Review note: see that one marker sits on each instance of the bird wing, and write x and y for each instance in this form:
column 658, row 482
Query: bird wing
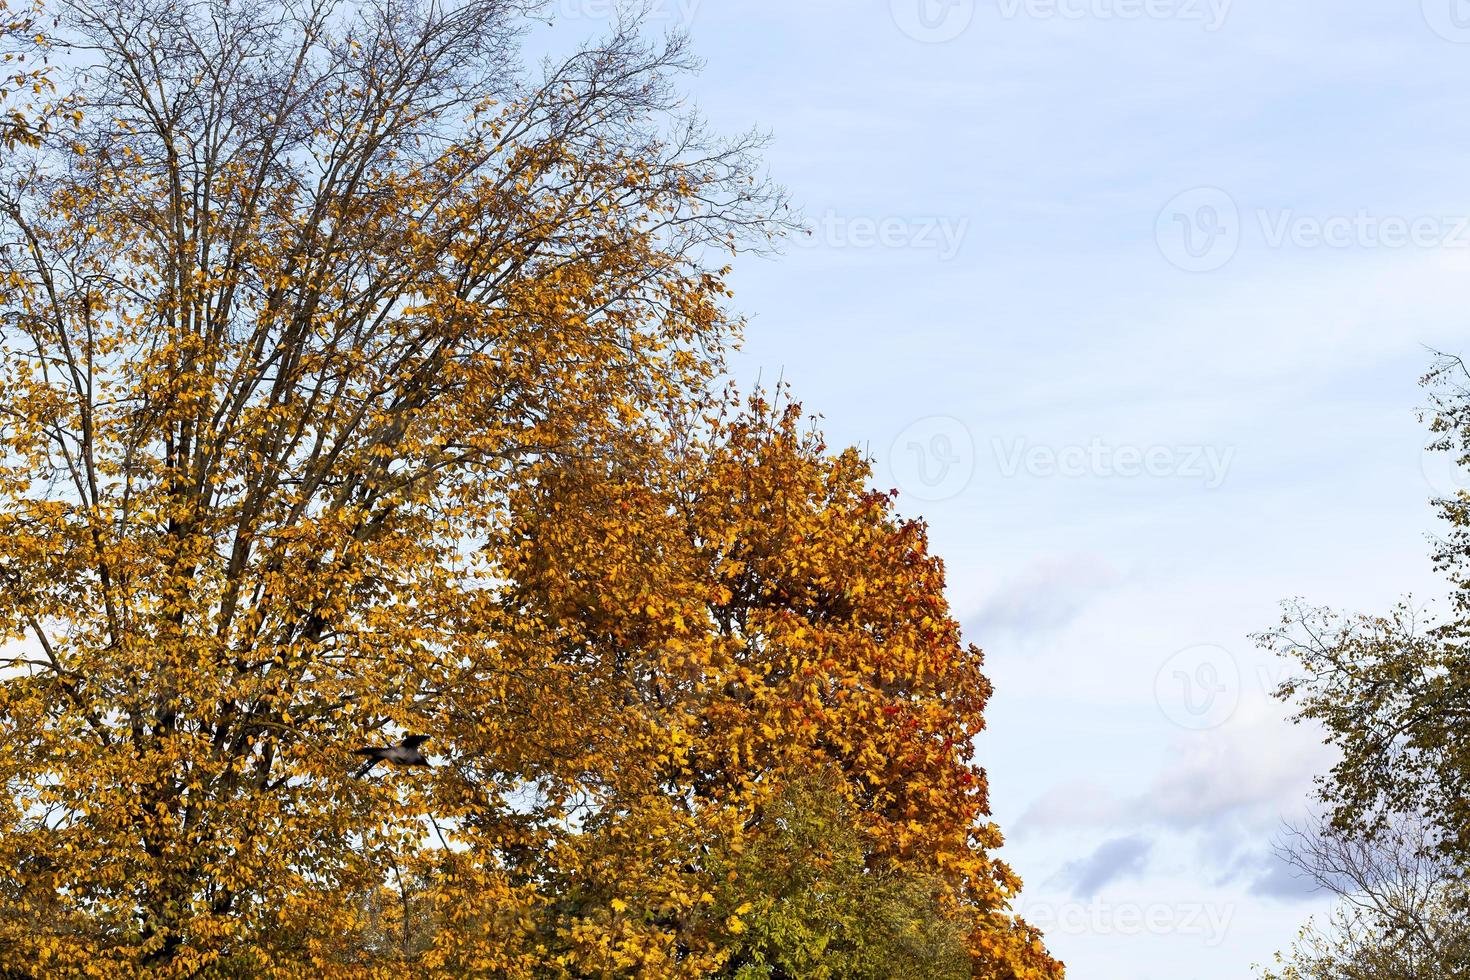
column 414, row 741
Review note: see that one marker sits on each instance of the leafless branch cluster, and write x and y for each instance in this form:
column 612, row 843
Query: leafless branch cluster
column 1405, row 907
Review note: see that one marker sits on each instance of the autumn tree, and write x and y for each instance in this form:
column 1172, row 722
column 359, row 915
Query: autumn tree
column 356, row 383
column 761, row 615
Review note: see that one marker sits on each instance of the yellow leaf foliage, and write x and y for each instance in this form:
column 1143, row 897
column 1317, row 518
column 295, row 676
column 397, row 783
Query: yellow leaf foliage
column 352, row 387
column 24, row 76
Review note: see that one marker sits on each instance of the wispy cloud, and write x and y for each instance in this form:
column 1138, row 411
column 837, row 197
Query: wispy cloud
column 1220, row 794
column 1046, row 597
column 1120, row 858
column 1271, row 877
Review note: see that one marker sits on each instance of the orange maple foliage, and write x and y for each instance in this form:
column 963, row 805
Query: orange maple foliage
column 752, row 612
column 352, row 387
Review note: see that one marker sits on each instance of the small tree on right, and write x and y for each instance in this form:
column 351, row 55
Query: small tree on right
column 1392, row 692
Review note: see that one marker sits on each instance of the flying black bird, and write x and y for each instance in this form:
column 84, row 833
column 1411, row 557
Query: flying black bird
column 405, row 753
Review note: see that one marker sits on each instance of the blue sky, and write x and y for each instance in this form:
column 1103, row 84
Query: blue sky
column 1130, row 298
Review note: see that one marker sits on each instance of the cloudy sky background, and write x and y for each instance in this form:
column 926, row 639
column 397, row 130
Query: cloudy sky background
column 1130, row 298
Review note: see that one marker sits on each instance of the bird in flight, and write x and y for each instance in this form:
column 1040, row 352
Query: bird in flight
column 405, row 753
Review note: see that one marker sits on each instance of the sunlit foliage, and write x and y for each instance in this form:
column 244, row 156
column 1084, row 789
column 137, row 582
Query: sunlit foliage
column 354, row 385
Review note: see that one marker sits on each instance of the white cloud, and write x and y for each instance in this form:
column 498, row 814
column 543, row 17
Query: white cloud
column 1244, row 774
column 1046, row 596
